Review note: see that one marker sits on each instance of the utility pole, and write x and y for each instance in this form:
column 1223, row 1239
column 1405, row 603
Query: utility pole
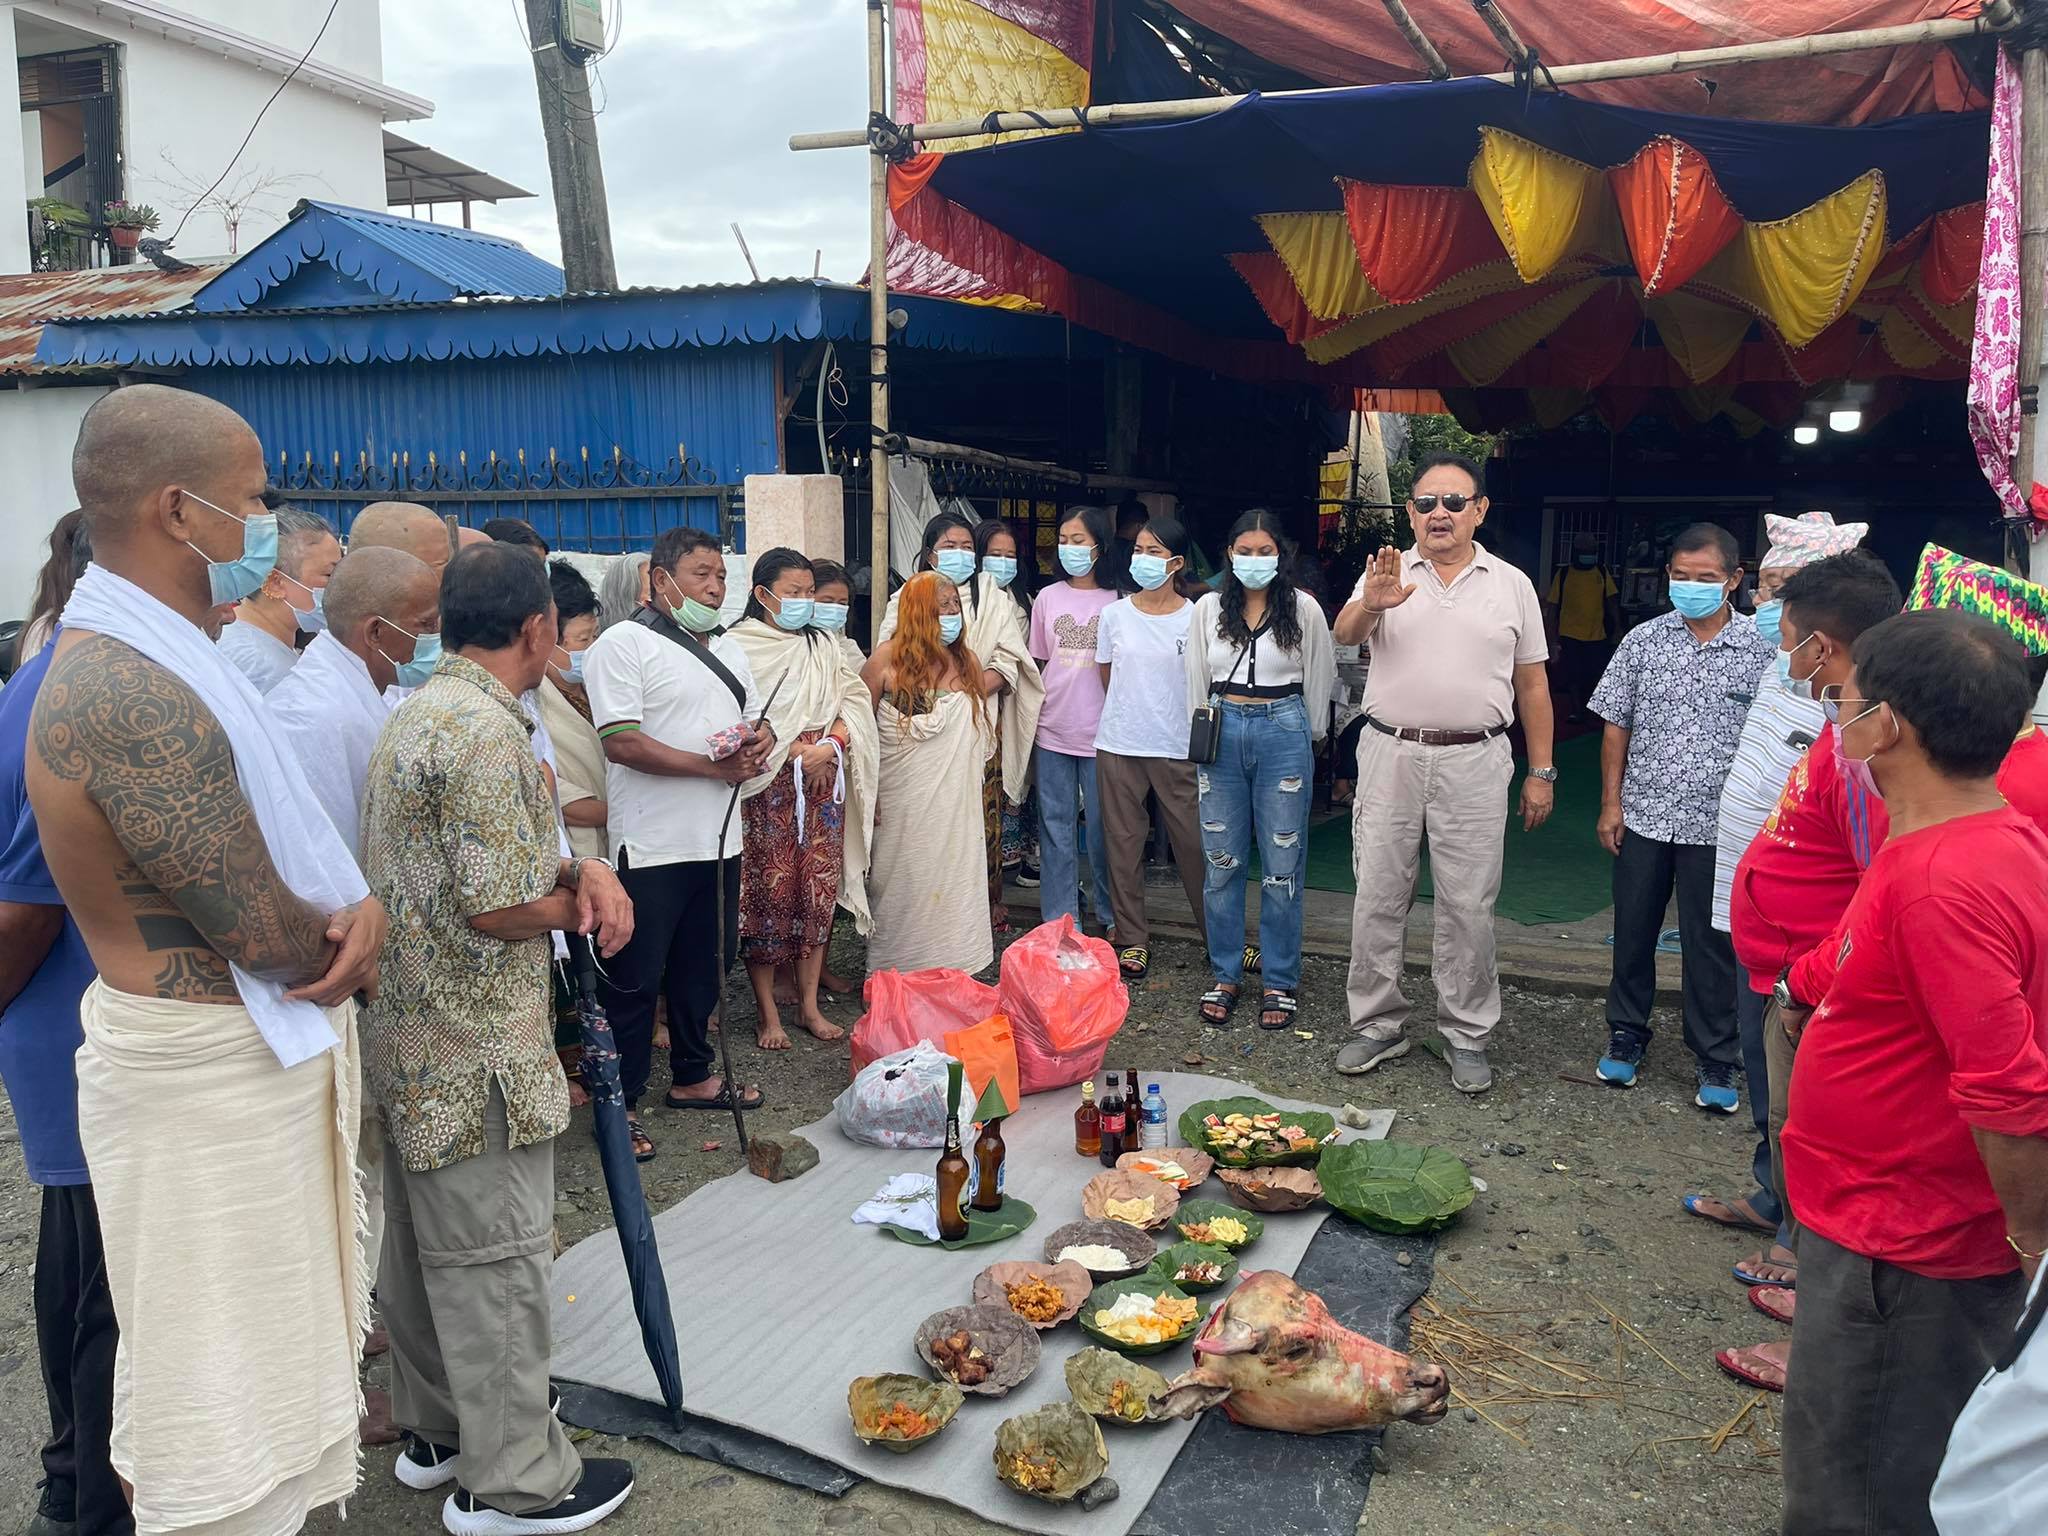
column 574, row 168
column 878, row 323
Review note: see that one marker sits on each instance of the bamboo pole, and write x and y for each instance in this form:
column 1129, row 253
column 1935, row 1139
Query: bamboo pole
column 930, row 448
column 1425, row 50
column 1997, row 17
column 1503, row 32
column 2033, row 256
column 878, row 329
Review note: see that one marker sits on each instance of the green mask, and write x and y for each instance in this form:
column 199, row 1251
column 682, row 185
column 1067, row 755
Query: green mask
column 695, row 617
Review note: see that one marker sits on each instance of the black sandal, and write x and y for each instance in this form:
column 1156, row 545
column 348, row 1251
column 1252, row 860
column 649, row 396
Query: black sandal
column 643, row 1145
column 720, row 1100
column 1251, row 958
column 1135, row 962
column 1222, row 997
column 1282, row 1003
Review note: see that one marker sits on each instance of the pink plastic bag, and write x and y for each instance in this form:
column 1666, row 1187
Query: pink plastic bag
column 1065, row 1000
column 905, row 1007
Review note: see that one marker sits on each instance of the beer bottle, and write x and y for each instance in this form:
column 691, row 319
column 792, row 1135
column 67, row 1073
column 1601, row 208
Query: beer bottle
column 1113, row 1124
column 1088, row 1123
column 988, row 1166
column 952, row 1166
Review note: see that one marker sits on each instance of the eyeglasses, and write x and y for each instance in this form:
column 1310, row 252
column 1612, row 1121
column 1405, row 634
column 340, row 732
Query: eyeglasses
column 1832, row 694
column 1455, row 502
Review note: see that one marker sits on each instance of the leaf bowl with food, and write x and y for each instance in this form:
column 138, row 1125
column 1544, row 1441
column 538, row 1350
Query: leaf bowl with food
column 1135, row 1199
column 1272, row 1189
column 1114, row 1389
column 1050, row 1453
column 1250, row 1133
column 1044, row 1295
column 1396, row 1186
column 1195, row 1267
column 1182, row 1167
column 1140, row 1316
column 1218, row 1225
column 1094, row 1245
column 982, row 1350
column 900, row 1413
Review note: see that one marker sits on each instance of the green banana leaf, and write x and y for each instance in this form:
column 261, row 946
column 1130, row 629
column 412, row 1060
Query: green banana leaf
column 1194, row 1134
column 1395, row 1186
column 982, row 1227
column 1105, row 1295
column 1170, row 1260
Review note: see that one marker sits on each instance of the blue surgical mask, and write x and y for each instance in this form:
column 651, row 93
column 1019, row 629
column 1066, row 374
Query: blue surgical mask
column 426, row 655
column 830, row 617
column 313, row 619
column 1697, row 599
column 795, row 613
column 1800, row 687
column 1077, row 559
column 1768, row 617
column 574, row 670
column 1149, row 571
column 1002, row 569
column 1255, row 571
column 956, row 565
column 229, row 581
column 949, row 627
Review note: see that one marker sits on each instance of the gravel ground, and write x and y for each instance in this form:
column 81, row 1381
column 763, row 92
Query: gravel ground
column 1580, row 1225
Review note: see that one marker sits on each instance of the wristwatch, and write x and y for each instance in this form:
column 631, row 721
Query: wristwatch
column 1544, row 775
column 1781, row 994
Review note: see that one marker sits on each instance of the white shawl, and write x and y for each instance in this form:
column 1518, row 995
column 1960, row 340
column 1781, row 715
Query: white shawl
column 819, row 687
column 303, row 844
column 997, row 636
column 331, row 714
column 930, row 875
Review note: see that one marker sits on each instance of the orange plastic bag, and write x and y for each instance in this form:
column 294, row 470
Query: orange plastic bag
column 1065, row 1000
column 986, row 1052
column 905, row 1007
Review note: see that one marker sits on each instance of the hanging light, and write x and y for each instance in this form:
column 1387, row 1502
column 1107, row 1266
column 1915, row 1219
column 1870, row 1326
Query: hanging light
column 1845, row 420
column 1806, row 434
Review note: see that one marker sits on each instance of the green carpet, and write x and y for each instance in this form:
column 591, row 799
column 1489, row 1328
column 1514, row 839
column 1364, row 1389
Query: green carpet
column 1556, row 874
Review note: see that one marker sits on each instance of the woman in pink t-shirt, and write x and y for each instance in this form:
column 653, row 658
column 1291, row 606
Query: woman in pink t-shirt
column 1064, row 619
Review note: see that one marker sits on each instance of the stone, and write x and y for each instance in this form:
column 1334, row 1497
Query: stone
column 1471, row 1415
column 776, row 1158
column 1098, row 1493
column 1512, row 1149
column 1404, row 1258
column 1354, row 1117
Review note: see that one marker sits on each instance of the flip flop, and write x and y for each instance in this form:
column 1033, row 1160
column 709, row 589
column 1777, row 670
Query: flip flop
column 1750, row 1277
column 1774, row 1301
column 721, row 1100
column 1747, row 1365
column 1692, row 1206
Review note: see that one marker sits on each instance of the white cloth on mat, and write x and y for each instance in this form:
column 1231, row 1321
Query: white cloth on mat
column 928, row 873
column 909, row 1201
column 303, row 844
column 233, row 1233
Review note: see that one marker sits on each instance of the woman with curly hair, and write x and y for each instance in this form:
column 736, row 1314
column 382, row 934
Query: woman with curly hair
column 1259, row 650
column 927, row 871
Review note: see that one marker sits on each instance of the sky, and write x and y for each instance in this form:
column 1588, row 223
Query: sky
column 698, row 100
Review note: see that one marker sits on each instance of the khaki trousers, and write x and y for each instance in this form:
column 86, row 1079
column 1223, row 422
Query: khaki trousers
column 1458, row 796
column 1779, row 1052
column 468, row 1250
column 1120, row 787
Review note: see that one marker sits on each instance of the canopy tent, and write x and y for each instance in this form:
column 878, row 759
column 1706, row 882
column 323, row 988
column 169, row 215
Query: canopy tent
column 1465, row 236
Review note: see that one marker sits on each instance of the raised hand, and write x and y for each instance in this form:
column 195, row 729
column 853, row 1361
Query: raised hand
column 1384, row 588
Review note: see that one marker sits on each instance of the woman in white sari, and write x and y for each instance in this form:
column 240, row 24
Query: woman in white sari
column 995, row 632
column 928, row 878
column 807, row 818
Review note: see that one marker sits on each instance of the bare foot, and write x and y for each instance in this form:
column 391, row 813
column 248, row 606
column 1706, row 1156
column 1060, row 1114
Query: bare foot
column 661, row 1036
column 375, row 1426
column 821, row 1027
column 999, row 917
column 1728, row 1213
column 835, row 983
column 770, row 1037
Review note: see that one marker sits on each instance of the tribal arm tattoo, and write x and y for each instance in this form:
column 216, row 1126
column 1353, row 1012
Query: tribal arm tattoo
column 157, row 763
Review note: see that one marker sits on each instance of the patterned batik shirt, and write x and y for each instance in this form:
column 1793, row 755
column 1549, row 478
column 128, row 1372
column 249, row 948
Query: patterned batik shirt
column 457, row 821
column 1683, row 705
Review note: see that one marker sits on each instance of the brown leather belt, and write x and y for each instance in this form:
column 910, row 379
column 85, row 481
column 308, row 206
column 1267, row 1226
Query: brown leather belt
column 1429, row 738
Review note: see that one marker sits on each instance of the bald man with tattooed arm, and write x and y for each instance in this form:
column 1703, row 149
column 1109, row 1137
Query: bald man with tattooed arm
column 219, row 1081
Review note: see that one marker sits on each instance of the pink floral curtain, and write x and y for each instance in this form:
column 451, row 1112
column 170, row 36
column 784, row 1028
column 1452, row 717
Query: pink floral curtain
column 1995, row 421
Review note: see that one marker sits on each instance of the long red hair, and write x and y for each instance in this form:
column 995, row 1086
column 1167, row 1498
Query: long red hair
column 920, row 656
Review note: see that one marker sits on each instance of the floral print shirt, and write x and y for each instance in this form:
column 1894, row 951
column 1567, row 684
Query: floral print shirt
column 1683, row 705
column 457, row 821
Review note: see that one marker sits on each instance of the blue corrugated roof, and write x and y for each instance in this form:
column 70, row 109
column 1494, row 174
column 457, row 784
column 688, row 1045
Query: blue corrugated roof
column 328, row 255
column 638, row 320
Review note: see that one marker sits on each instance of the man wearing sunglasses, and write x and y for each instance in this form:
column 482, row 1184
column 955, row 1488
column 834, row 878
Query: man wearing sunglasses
column 1916, row 1150
column 1458, row 648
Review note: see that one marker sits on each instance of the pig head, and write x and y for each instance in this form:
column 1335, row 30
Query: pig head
column 1276, row 1359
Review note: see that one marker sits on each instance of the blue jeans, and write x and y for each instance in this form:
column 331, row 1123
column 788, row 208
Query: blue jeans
column 1066, row 785
column 1749, row 1024
column 1259, row 784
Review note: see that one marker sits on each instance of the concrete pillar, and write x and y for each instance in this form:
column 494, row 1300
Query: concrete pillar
column 806, row 513
column 14, row 169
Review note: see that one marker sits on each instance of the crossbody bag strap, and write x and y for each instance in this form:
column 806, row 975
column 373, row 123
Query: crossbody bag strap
column 669, row 629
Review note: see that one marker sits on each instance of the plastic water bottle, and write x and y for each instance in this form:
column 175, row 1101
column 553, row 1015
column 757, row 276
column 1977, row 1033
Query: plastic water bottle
column 1152, row 1133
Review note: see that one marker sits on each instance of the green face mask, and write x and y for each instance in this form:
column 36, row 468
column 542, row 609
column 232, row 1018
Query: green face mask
column 693, row 615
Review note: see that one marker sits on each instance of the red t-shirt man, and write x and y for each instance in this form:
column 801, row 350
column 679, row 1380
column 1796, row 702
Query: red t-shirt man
column 1934, row 1021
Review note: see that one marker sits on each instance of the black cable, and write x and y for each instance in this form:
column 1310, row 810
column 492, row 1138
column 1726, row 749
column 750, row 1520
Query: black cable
column 290, row 75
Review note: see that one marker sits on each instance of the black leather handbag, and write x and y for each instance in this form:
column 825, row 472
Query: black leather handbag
column 1205, row 726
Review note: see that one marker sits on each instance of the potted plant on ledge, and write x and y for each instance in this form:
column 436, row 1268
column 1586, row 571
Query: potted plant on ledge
column 128, row 222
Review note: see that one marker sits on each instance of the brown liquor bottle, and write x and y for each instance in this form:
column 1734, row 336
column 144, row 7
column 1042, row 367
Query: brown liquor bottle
column 988, row 1166
column 952, row 1172
column 1088, row 1123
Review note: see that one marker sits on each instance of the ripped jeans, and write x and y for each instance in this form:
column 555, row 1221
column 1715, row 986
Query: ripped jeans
column 1261, row 784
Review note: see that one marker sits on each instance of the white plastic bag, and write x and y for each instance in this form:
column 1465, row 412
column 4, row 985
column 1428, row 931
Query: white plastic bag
column 898, row 1100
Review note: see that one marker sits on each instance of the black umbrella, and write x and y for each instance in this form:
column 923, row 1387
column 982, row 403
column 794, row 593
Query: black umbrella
column 622, row 1179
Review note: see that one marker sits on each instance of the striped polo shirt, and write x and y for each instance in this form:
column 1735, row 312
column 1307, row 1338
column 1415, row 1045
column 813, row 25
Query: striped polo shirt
column 1780, row 726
